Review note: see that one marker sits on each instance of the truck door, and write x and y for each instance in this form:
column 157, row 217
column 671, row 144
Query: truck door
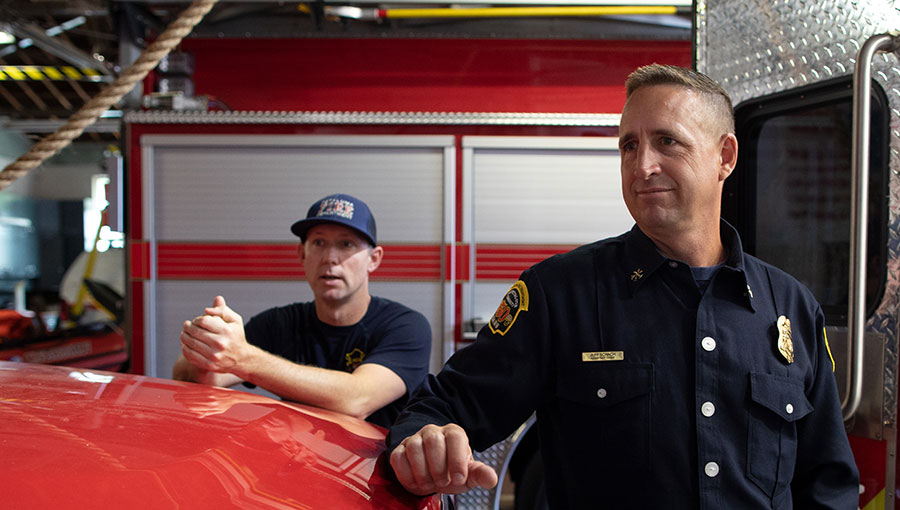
column 790, row 71
column 791, row 198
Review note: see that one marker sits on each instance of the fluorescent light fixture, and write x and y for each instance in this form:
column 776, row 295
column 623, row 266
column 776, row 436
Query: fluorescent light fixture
column 6, row 37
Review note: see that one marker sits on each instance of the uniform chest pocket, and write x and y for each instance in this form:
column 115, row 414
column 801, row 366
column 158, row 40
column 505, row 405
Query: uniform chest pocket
column 777, row 403
column 606, row 384
column 604, row 410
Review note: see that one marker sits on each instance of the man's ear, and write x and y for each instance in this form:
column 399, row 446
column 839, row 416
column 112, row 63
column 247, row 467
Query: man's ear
column 375, row 258
column 728, row 152
column 301, row 252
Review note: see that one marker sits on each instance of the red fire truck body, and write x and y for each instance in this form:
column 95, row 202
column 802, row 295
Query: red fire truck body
column 481, row 157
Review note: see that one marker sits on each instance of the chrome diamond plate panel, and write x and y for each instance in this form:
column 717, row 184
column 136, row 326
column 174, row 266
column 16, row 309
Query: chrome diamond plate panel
column 498, row 457
column 481, row 499
column 756, row 48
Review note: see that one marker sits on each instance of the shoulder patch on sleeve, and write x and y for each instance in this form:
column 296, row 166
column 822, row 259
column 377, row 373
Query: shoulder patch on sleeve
column 828, row 348
column 515, row 301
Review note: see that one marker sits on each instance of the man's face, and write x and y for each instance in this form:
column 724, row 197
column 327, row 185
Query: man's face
column 337, row 261
column 675, row 158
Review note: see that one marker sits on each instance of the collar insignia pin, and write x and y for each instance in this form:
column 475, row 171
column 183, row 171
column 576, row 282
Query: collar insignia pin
column 637, row 274
column 785, row 345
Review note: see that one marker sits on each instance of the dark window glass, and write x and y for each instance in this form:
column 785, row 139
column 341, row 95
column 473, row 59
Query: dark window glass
column 790, row 195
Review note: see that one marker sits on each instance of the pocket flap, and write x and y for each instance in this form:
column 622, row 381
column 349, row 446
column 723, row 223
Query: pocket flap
column 781, row 395
column 607, row 383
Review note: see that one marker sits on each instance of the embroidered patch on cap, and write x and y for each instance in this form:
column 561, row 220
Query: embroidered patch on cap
column 336, row 207
column 515, row 301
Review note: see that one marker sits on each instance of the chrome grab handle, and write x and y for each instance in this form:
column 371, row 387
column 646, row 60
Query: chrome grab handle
column 859, row 189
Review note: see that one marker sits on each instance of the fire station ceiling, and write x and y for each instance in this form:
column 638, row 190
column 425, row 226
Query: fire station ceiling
column 57, row 54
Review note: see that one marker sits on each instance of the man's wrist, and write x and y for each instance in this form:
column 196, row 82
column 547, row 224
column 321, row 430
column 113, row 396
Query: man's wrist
column 203, row 376
column 248, row 363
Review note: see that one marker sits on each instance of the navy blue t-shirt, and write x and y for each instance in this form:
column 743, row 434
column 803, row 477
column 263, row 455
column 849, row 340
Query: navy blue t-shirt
column 390, row 334
column 704, row 275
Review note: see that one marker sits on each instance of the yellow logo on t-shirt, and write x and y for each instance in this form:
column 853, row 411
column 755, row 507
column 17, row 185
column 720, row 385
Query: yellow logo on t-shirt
column 354, row 359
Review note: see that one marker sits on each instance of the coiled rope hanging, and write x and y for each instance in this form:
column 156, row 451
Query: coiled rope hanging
column 93, row 109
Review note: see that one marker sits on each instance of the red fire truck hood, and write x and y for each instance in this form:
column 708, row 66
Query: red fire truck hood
column 86, row 440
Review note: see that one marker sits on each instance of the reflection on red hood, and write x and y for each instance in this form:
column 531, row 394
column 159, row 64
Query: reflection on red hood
column 85, row 440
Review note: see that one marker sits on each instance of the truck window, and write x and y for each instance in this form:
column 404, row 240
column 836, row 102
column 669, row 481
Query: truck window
column 790, row 195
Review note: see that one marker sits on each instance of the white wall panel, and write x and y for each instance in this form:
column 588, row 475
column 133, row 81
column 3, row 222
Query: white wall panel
column 536, row 196
column 537, row 190
column 254, row 193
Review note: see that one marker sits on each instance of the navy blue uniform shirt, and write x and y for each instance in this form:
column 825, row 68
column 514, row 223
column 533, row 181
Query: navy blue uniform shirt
column 650, row 394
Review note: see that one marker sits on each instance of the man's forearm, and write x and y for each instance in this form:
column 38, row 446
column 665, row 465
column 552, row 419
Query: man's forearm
column 358, row 394
column 183, row 370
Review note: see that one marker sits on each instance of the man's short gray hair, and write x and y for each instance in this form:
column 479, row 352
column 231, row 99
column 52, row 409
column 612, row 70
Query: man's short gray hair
column 660, row 74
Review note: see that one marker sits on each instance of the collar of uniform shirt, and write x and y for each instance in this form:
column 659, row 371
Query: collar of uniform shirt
column 642, row 259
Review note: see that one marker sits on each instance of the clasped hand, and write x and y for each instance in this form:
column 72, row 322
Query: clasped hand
column 215, row 342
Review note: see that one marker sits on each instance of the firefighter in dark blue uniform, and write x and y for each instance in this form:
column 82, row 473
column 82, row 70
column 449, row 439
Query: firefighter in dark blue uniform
column 668, row 368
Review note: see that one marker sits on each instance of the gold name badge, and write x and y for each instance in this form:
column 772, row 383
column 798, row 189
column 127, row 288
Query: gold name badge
column 603, row 356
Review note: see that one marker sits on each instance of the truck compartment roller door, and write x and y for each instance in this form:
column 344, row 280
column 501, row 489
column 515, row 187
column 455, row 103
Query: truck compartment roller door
column 217, row 212
column 531, row 197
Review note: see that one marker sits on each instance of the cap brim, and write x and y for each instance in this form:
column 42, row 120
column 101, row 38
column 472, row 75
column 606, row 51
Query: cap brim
column 301, row 227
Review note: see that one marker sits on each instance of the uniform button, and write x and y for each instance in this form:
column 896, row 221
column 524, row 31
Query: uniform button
column 673, row 264
column 708, row 343
column 711, row 469
column 789, row 408
column 601, row 393
column 708, row 409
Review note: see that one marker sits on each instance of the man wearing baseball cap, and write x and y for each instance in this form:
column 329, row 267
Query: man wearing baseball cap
column 346, row 351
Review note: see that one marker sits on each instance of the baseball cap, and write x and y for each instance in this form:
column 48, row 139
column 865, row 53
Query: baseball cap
column 341, row 209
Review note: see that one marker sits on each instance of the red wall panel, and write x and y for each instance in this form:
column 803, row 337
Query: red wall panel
column 440, row 75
